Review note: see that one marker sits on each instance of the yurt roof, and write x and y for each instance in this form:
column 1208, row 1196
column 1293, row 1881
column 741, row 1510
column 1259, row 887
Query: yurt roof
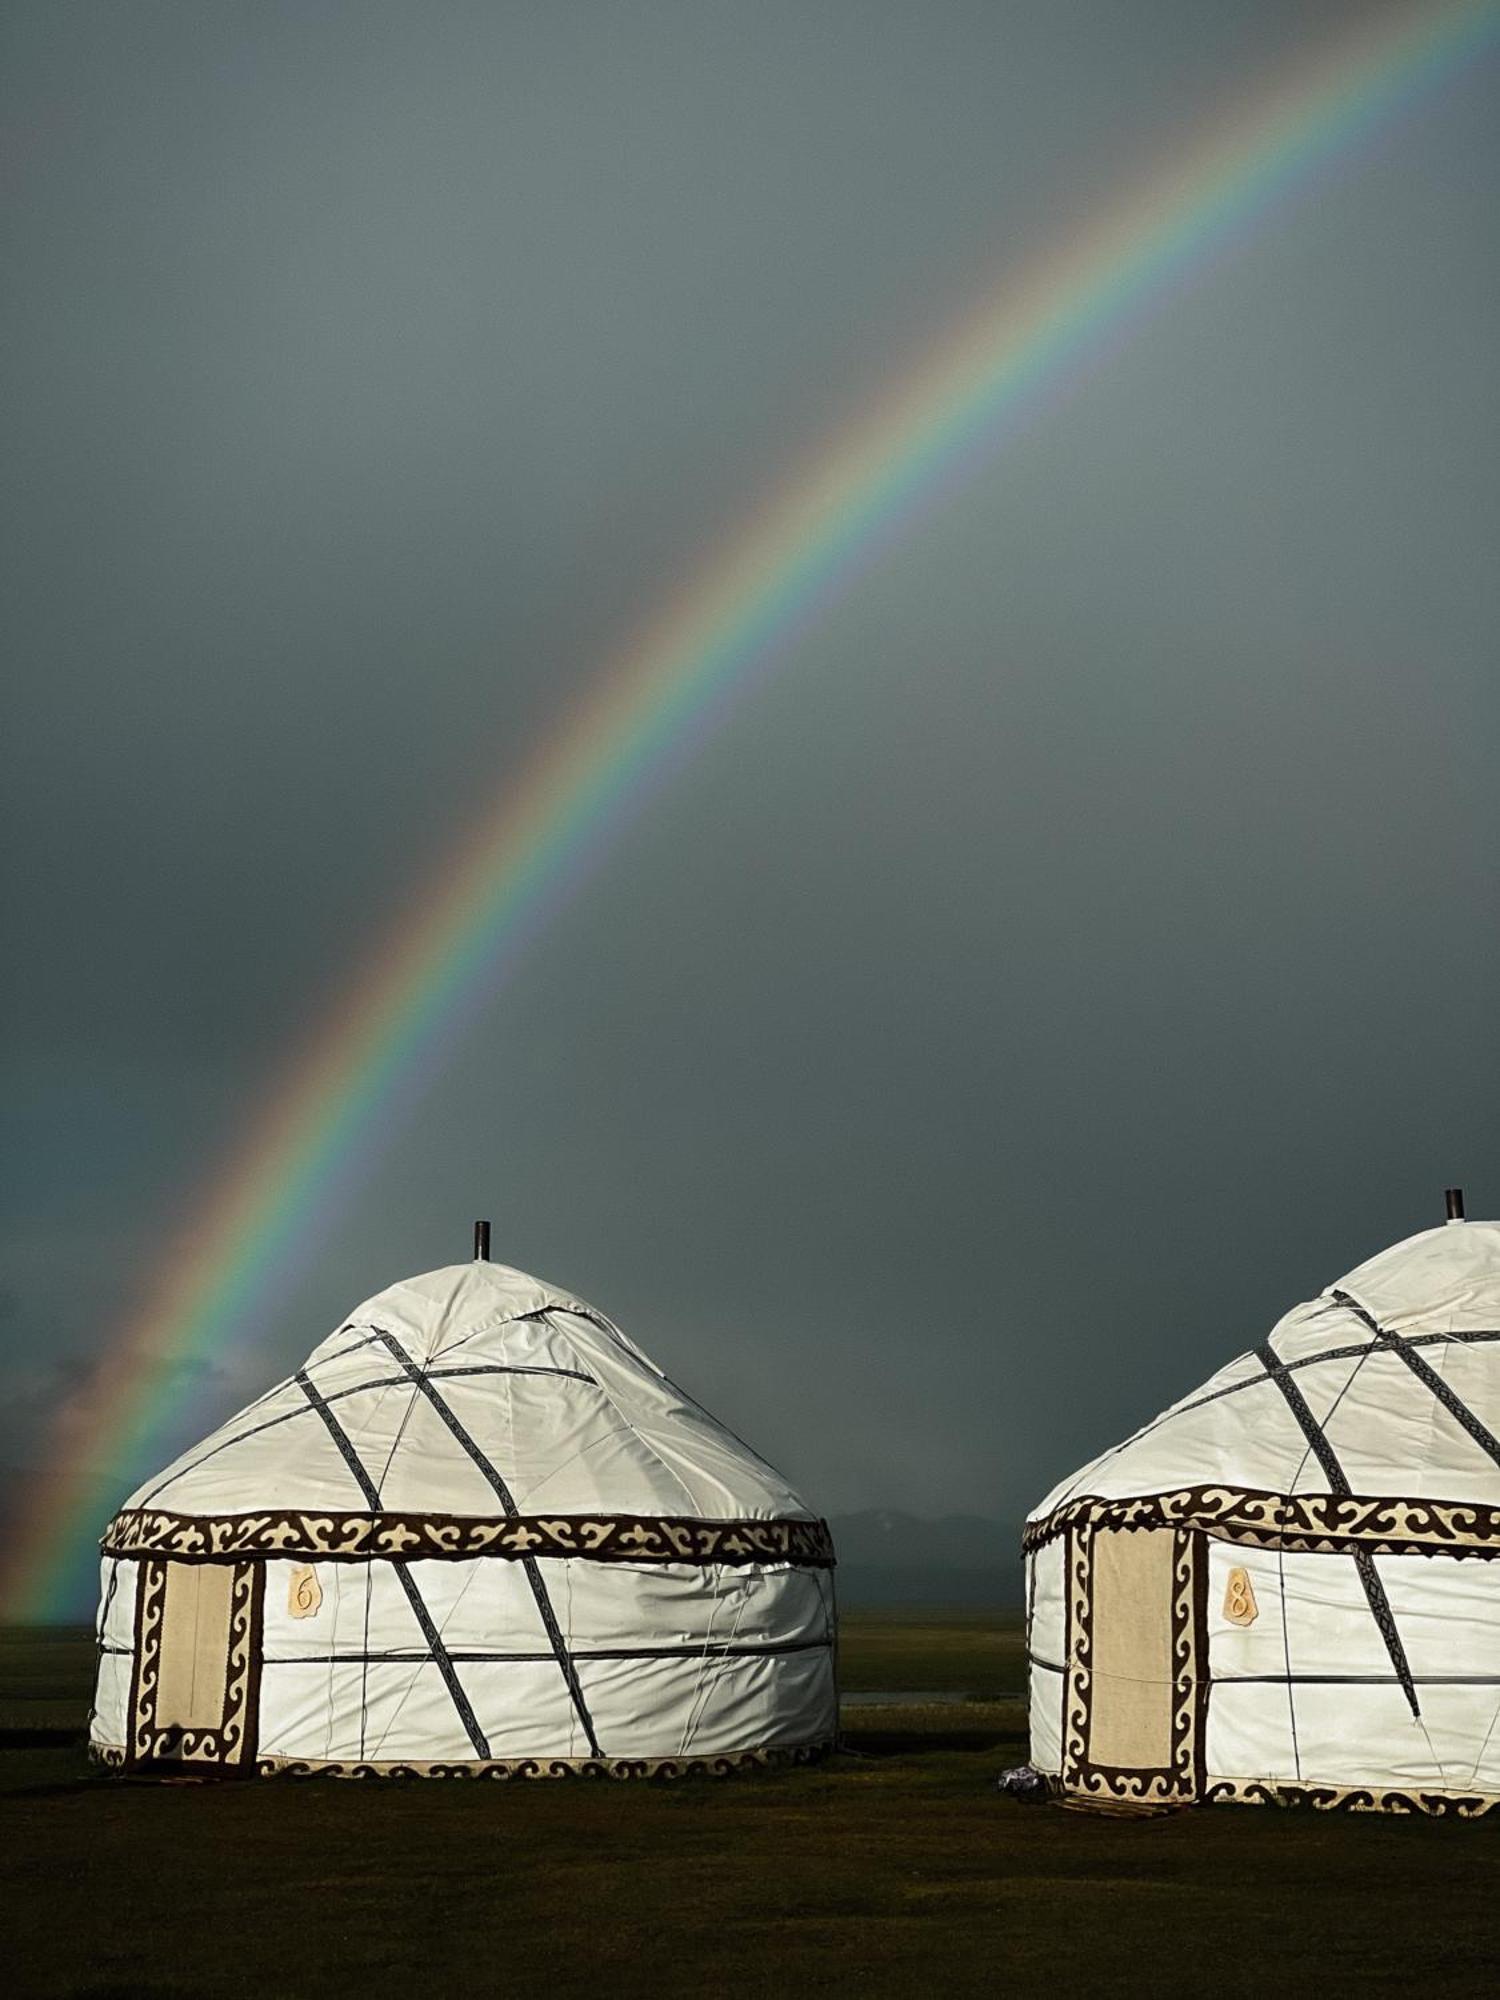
column 478, row 1391
column 1387, row 1383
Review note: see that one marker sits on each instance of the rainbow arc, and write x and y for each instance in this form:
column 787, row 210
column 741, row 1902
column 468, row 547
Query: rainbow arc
column 560, row 818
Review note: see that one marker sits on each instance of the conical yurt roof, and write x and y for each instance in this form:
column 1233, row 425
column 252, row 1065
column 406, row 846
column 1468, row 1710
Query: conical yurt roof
column 1386, row 1383
column 463, row 1388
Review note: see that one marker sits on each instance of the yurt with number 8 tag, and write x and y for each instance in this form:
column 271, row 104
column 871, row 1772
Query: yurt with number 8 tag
column 477, row 1533
column 1286, row 1588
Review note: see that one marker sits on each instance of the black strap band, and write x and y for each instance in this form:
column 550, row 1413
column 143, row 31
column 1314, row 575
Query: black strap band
column 507, row 1501
column 414, row 1598
column 1364, row 1562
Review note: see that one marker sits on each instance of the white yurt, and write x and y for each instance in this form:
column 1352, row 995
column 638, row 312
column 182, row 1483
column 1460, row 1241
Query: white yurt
column 476, row 1533
column 1284, row 1588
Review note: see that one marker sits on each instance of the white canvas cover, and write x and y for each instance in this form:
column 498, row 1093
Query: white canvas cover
column 1286, row 1585
column 478, row 1530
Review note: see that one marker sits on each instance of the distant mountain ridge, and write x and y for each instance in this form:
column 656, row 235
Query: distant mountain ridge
column 889, row 1557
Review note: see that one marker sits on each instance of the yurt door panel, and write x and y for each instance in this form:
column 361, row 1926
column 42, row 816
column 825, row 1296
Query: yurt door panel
column 197, row 1664
column 194, row 1647
column 1133, row 1710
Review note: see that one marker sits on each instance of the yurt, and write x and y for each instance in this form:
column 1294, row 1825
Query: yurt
column 477, row 1533
column 1284, row 1588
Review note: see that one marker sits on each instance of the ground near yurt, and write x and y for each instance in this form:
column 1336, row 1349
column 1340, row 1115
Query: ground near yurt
column 897, row 1869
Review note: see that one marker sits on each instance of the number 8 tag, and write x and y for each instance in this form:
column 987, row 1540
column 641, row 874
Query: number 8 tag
column 1240, row 1607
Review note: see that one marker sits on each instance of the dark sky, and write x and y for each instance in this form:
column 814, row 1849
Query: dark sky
column 1083, row 948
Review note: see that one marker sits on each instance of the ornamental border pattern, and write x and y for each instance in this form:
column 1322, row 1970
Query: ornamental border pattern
column 1350, row 1798
column 345, row 1537
column 1309, row 1523
column 1078, row 1648
column 1179, row 1781
column 231, row 1742
column 729, row 1764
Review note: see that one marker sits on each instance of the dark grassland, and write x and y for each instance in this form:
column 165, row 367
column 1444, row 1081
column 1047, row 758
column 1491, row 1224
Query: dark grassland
column 895, row 1869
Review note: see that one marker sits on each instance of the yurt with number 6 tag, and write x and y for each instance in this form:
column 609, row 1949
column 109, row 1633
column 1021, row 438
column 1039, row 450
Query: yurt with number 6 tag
column 1286, row 1588
column 477, row 1533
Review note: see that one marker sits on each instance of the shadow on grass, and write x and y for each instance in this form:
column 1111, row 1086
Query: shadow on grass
column 982, row 1728
column 113, row 1989
column 897, row 1743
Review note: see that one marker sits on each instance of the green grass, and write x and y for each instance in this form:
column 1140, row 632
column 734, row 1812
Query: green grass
column 896, row 1869
column 939, row 1652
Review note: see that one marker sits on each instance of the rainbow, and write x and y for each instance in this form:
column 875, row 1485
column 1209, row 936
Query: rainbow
column 648, row 710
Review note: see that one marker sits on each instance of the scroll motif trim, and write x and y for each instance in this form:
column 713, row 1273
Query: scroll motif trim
column 1312, row 1523
column 341, row 1537
column 1351, row 1798
column 727, row 1764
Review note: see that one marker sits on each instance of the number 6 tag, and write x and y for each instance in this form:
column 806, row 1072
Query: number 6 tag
column 304, row 1592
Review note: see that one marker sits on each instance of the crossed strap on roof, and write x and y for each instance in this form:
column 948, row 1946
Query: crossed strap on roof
column 1281, row 1372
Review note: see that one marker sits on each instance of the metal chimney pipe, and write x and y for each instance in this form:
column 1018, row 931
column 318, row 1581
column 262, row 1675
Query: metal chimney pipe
column 1454, row 1197
column 481, row 1242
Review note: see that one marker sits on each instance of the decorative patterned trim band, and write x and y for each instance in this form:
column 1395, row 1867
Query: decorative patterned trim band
column 502, row 1770
column 617, row 1538
column 1312, row 1523
column 1351, row 1798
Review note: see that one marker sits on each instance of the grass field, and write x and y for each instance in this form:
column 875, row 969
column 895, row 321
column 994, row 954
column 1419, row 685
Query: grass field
column 895, row 1869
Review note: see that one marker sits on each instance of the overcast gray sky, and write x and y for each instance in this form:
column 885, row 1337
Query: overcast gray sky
column 1081, row 949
